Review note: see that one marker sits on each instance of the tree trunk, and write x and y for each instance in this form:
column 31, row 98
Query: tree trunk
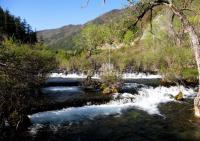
column 195, row 44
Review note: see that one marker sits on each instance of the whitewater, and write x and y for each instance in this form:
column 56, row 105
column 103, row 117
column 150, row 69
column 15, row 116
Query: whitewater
column 96, row 76
column 147, row 99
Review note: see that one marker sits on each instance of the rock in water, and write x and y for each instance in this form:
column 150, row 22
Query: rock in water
column 109, row 90
column 106, row 90
column 179, row 96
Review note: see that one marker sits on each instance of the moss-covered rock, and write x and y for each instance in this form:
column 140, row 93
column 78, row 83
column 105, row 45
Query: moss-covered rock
column 114, row 90
column 179, row 96
column 111, row 82
column 109, row 90
column 106, row 90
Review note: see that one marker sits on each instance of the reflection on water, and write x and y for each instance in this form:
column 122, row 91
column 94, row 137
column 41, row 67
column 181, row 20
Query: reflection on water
column 62, row 93
column 60, row 89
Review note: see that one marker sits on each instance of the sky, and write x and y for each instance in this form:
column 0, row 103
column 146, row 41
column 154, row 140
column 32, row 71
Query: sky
column 48, row 14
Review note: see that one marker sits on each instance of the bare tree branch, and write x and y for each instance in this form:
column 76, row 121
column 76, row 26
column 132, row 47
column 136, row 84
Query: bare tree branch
column 147, row 9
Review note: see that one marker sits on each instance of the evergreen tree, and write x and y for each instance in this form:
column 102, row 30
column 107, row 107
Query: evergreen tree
column 14, row 27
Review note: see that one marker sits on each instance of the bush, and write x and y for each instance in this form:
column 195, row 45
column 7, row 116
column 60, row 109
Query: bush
column 111, row 82
column 25, row 68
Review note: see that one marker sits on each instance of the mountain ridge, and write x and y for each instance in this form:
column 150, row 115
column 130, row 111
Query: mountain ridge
column 61, row 38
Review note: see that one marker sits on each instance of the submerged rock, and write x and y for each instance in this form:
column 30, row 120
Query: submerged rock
column 179, row 96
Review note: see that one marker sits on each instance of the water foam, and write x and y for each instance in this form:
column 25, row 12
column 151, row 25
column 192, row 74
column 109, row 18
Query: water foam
column 96, row 76
column 147, row 99
column 141, row 76
column 62, row 75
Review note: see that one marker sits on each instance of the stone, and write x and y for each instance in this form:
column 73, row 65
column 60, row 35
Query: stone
column 110, row 90
column 179, row 96
column 107, row 90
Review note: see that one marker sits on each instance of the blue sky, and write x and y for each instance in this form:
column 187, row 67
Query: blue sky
column 47, row 14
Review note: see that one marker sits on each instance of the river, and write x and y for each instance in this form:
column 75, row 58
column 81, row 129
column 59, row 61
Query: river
column 148, row 114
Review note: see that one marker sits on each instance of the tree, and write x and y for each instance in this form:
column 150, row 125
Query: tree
column 195, row 42
column 90, row 38
column 11, row 26
column 148, row 6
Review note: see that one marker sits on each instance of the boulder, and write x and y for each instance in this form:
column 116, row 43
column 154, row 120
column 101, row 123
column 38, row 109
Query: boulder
column 179, row 96
column 109, row 90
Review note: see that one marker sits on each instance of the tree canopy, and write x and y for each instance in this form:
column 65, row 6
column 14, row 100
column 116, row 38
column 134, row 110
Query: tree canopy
column 15, row 27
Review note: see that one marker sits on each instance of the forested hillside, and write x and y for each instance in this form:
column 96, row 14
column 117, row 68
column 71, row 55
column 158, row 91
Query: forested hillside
column 62, row 38
column 15, row 27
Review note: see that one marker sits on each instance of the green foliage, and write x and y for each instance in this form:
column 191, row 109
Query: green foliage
column 25, row 69
column 110, row 77
column 91, row 36
column 128, row 37
column 11, row 26
column 190, row 73
column 111, row 82
column 194, row 19
column 62, row 58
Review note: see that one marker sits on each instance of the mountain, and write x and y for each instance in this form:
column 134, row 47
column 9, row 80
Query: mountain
column 62, row 37
column 107, row 17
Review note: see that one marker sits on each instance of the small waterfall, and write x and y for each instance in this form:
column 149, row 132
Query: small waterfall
column 96, row 76
column 147, row 99
column 62, row 75
column 140, row 76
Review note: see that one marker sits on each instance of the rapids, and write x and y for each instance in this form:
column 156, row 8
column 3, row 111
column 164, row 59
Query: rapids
column 147, row 99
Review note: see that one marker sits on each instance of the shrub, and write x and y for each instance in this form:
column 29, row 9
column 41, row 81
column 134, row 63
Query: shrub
column 24, row 71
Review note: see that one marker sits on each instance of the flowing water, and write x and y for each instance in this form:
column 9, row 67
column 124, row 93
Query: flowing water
column 142, row 113
column 96, row 76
